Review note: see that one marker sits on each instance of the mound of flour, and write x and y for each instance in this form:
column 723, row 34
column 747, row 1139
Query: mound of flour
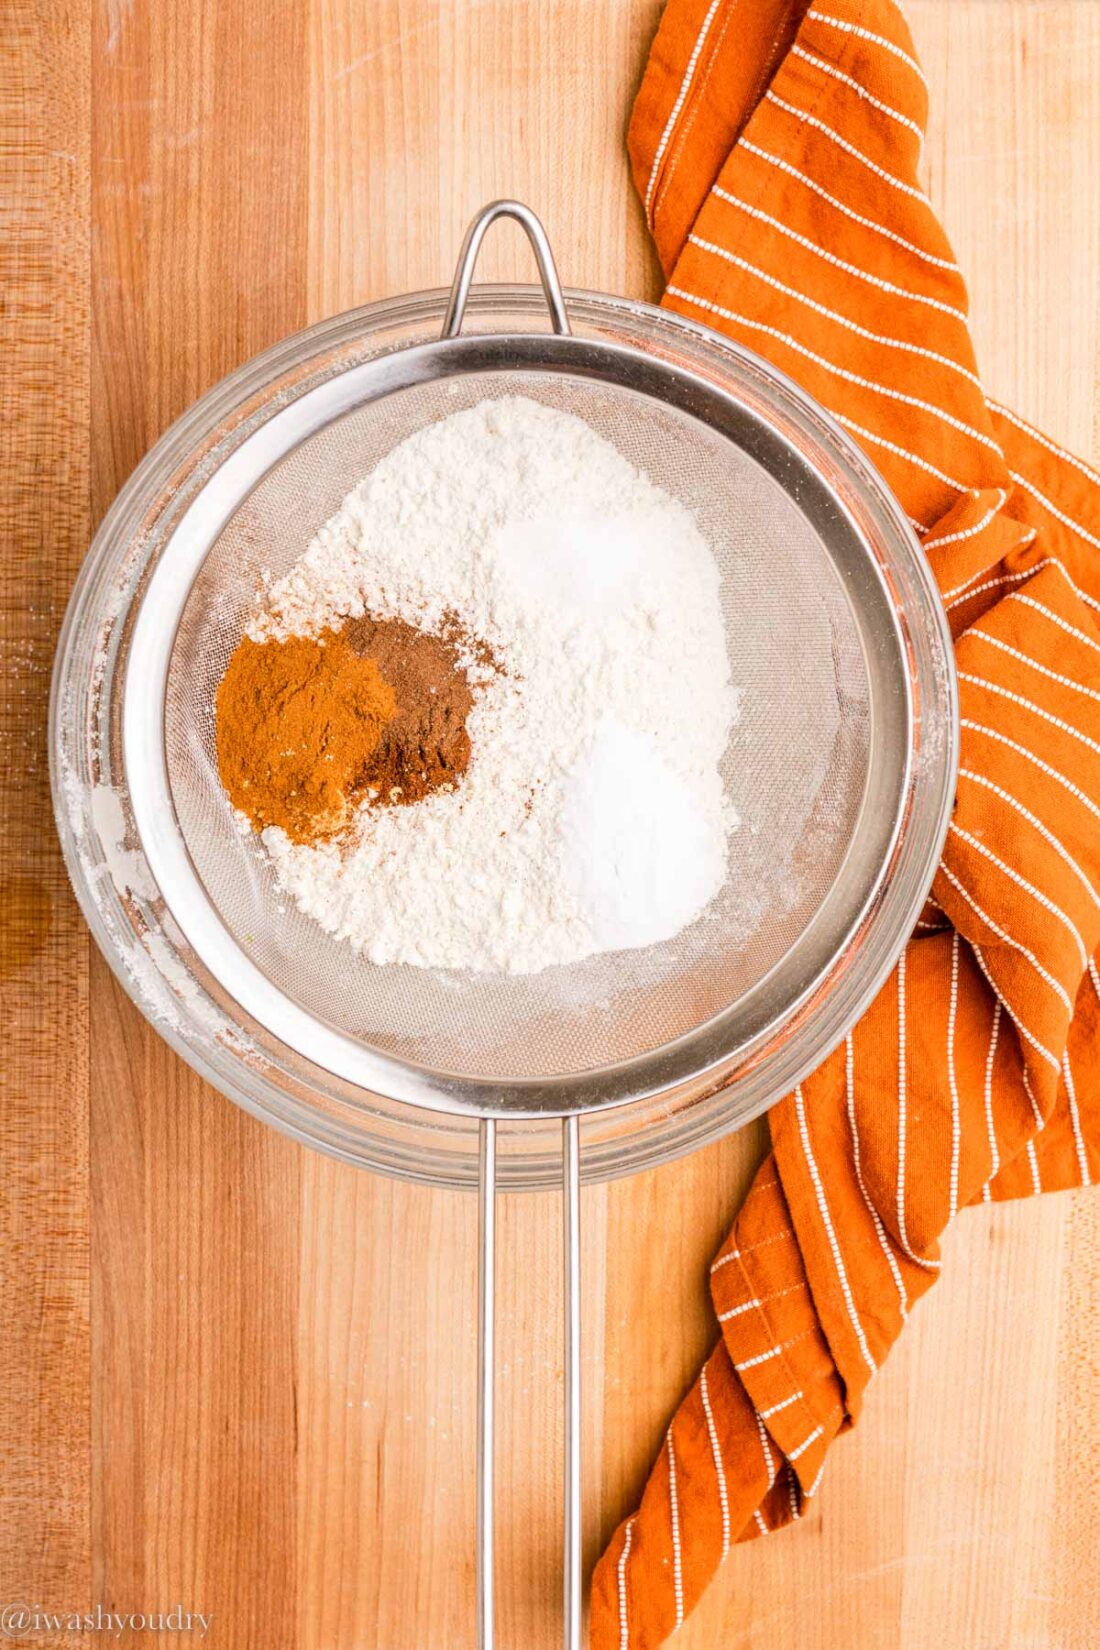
column 591, row 816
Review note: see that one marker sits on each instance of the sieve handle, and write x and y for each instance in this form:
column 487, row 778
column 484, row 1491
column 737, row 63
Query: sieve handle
column 467, row 258
column 571, row 1254
column 486, row 1362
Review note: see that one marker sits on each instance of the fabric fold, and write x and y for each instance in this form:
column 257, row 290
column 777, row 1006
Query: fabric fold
column 776, row 150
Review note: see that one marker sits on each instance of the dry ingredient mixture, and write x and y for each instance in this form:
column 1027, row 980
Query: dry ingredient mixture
column 547, row 624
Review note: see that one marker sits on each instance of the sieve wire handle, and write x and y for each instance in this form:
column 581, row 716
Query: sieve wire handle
column 467, row 258
column 486, row 1363
column 571, row 1255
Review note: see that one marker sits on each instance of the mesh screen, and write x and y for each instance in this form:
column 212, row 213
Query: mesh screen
column 794, row 769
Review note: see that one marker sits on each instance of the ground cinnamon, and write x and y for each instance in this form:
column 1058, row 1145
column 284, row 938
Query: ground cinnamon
column 297, row 722
column 310, row 727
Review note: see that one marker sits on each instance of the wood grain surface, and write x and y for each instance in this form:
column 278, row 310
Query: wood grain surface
column 236, row 1376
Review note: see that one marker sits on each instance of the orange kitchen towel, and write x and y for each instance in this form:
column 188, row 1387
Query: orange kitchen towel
column 777, row 152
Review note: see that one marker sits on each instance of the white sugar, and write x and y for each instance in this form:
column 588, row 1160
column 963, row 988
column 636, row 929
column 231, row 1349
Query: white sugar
column 642, row 851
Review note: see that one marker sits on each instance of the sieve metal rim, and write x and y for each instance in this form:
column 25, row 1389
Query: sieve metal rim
column 660, row 323
column 709, row 1049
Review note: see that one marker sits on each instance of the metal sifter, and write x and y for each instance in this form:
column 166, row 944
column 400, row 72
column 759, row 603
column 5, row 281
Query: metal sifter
column 841, row 768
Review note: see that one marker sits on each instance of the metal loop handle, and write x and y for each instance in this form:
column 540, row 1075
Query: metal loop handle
column 467, row 258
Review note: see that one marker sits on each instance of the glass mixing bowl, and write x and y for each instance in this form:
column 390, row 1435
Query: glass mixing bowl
column 145, row 944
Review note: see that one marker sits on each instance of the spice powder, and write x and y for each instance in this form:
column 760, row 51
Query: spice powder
column 308, row 728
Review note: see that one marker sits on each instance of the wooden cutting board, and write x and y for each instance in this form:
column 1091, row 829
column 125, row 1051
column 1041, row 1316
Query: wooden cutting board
column 234, row 1376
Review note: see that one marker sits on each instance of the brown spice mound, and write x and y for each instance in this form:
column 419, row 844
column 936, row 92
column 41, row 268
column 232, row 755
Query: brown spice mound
column 425, row 745
column 297, row 722
column 308, row 728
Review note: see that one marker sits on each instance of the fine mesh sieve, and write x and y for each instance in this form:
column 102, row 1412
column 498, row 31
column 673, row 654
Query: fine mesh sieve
column 817, row 768
column 847, row 721
column 796, row 769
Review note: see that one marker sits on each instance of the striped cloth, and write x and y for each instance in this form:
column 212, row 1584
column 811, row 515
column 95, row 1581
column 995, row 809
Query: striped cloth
column 791, row 219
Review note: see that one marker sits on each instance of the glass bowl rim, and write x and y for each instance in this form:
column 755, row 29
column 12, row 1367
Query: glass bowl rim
column 673, row 1122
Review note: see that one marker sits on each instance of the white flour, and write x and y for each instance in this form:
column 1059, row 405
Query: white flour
column 591, row 816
